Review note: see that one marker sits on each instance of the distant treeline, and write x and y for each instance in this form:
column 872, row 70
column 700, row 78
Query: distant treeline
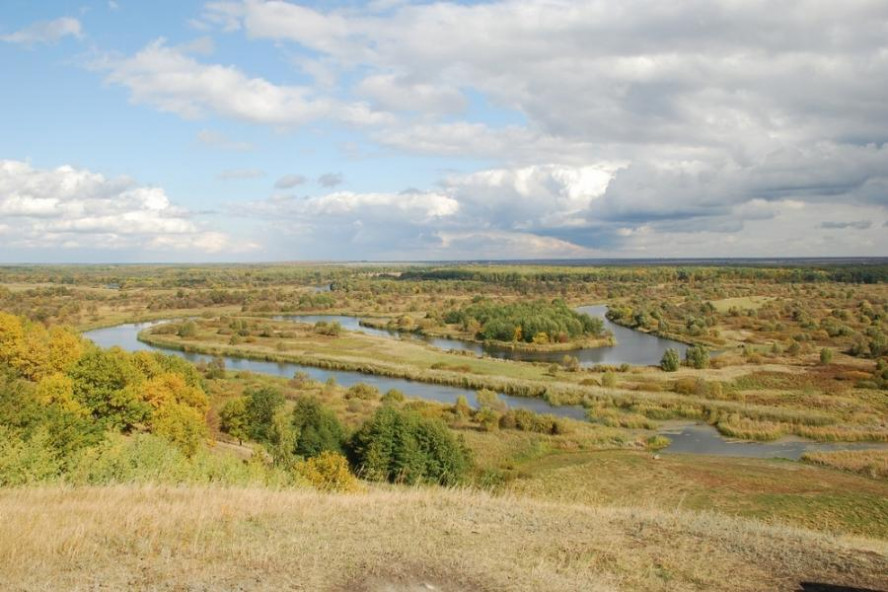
column 514, row 275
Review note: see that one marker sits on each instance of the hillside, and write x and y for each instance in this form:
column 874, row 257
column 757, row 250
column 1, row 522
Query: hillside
column 399, row 539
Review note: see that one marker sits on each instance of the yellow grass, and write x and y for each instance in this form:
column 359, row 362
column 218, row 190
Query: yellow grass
column 872, row 463
column 162, row 538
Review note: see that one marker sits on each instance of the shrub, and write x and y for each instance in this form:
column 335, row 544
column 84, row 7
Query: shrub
column 488, row 418
column 826, row 356
column 329, row 472
column 393, row 396
column 697, row 356
column 609, row 380
column 216, row 368
column 488, row 398
column 670, row 361
column 461, row 408
column 187, row 330
column 362, row 391
column 657, row 442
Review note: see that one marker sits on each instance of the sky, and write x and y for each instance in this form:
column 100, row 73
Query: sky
column 393, row 130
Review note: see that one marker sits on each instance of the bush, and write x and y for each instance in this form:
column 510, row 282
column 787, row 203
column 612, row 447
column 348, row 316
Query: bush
column 362, row 391
column 670, row 361
column 488, row 398
column 609, row 380
column 329, row 472
column 461, row 408
column 187, row 330
column 401, row 446
column 826, row 356
column 488, row 418
column 393, row 396
column 216, row 368
column 697, row 356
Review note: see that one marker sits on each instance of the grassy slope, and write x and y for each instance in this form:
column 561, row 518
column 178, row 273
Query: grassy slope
column 399, row 539
column 774, row 491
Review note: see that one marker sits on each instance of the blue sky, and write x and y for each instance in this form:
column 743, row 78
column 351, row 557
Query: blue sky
column 252, row 130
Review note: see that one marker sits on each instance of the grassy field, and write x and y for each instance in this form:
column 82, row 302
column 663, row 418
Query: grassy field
column 392, row 539
column 871, row 463
column 774, row 491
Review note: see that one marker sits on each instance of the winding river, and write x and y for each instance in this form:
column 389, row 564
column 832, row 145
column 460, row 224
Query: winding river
column 632, row 347
column 126, row 337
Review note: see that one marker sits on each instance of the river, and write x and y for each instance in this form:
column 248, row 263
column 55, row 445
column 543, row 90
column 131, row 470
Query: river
column 685, row 438
column 632, row 347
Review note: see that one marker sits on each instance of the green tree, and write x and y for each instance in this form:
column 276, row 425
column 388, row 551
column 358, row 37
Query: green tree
column 234, row 419
column 106, row 383
column 317, row 428
column 261, row 406
column 670, row 361
column 401, row 446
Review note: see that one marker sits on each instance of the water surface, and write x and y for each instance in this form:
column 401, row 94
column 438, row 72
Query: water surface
column 632, row 347
column 705, row 439
column 126, row 337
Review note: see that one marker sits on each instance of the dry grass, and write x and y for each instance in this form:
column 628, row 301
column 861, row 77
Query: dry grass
column 872, row 463
column 394, row 539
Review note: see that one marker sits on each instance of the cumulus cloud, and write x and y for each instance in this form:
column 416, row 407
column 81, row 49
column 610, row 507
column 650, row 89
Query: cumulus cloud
column 170, row 80
column 73, row 208
column 400, row 93
column 289, row 181
column 640, row 127
column 694, row 119
column 46, row 32
column 554, row 211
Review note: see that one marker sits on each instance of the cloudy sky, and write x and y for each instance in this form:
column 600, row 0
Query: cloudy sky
column 396, row 130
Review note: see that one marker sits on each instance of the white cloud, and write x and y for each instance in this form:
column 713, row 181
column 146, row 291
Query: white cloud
column 399, row 93
column 172, row 81
column 72, row 208
column 46, row 32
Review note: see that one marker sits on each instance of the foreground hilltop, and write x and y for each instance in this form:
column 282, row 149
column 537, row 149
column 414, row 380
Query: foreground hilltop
column 392, row 538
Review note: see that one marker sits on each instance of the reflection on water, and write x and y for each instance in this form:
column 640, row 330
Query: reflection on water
column 705, row 439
